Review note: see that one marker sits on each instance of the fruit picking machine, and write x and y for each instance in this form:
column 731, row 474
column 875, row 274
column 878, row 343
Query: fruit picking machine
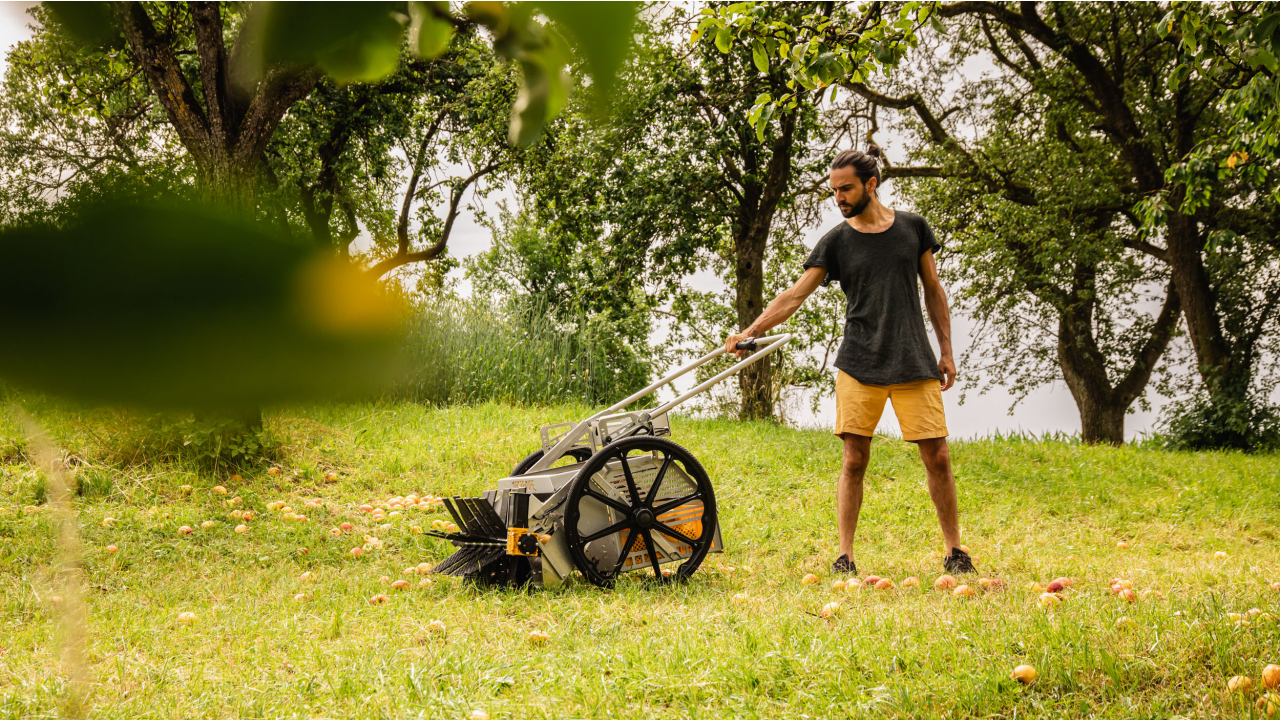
column 629, row 498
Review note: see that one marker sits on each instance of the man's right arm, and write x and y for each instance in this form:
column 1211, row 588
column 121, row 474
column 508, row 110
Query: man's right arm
column 782, row 307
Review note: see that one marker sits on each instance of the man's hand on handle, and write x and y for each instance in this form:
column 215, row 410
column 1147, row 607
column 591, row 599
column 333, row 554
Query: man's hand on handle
column 947, row 366
column 731, row 344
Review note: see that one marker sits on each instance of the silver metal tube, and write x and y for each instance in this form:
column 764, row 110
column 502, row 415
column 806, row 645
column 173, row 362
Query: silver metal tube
column 581, row 428
column 774, row 343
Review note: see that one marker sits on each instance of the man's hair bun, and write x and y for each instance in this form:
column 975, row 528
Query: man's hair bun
column 874, row 151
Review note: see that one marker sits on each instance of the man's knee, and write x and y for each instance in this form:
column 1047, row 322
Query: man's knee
column 935, row 454
column 855, row 460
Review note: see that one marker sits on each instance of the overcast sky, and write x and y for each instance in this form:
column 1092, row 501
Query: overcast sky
column 1050, row 409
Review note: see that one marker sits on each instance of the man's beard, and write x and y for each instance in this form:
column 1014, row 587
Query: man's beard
column 856, row 208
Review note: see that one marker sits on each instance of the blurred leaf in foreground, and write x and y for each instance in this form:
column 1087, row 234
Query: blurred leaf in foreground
column 601, row 33
column 176, row 306
column 351, row 41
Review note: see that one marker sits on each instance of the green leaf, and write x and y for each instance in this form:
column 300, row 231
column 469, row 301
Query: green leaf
column 600, row 33
column 722, row 39
column 430, row 30
column 92, row 24
column 760, row 56
column 351, row 41
column 176, row 306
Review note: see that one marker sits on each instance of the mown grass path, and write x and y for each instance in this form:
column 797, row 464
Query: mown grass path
column 1029, row 510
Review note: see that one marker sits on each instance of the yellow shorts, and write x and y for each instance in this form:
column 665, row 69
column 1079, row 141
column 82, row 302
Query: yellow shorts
column 918, row 406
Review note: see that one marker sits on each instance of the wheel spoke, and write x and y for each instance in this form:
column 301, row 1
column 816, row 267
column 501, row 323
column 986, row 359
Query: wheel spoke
column 607, row 501
column 677, row 536
column 657, row 481
column 631, row 481
column 676, row 503
column 626, row 549
column 653, row 555
column 606, row 532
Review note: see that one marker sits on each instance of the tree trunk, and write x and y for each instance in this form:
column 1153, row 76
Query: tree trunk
column 756, row 381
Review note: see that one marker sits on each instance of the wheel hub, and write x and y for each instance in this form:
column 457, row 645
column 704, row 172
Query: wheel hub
column 644, row 518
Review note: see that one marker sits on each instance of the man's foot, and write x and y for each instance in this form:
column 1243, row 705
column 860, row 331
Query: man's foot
column 958, row 562
column 844, row 566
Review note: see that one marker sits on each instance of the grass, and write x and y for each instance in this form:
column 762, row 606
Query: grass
column 1031, row 510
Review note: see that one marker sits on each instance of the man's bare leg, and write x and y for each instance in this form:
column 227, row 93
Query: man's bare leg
column 942, row 489
column 857, row 451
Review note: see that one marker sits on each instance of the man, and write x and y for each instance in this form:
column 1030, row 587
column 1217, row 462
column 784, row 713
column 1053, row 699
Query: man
column 876, row 254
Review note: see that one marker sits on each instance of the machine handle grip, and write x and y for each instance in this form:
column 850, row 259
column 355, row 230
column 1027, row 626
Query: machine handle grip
column 748, row 344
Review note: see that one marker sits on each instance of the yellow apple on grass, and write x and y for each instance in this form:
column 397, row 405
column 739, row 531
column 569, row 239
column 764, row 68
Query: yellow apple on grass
column 1024, row 674
column 1240, row 683
column 1271, row 676
column 809, row 579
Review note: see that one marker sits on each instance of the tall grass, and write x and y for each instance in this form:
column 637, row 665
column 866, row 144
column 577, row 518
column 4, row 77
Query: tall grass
column 477, row 350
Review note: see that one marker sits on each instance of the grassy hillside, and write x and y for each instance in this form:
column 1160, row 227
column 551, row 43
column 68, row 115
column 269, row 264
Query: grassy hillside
column 1029, row 510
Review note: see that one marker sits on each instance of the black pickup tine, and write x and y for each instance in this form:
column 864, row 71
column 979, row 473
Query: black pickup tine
column 469, row 522
column 484, row 514
column 448, row 505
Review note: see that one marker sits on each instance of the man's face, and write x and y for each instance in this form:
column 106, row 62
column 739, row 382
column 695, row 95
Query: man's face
column 852, row 195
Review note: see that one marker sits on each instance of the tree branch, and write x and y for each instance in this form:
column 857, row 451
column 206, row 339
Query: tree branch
column 404, row 258
column 163, row 74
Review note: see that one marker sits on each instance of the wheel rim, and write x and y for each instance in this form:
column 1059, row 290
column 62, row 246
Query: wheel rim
column 672, row 495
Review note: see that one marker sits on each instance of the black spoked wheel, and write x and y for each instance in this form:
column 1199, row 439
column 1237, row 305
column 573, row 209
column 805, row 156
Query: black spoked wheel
column 577, row 454
column 636, row 491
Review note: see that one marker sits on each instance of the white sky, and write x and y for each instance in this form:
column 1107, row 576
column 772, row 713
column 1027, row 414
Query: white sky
column 1050, row 409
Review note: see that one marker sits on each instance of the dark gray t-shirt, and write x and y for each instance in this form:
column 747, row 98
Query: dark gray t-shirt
column 884, row 337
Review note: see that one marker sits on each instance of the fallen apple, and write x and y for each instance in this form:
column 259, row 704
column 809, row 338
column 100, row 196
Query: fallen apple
column 274, row 471
column 1055, row 586
column 1275, row 587
column 885, row 584
column 400, row 585
column 219, row 489
column 830, row 609
column 838, row 585
column 108, row 522
column 1239, row 683
column 186, row 488
column 112, row 549
column 425, row 582
column 335, row 532
column 912, row 581
column 305, row 576
column 1221, row 554
column 809, row 579
column 964, row 549
column 852, row 584
column 538, row 637
column 1122, row 545
column 1127, row 595
column 945, row 582
column 1048, row 600
column 435, row 627
column 1268, row 704
column 1024, row 674
column 870, row 581
column 417, row 530
column 236, row 478
column 242, row 528
column 378, row 599
column 357, row 551
column 300, row 597
column 367, row 508
column 186, row 530
column 247, row 515
column 424, row 568
column 1036, row 587
column 207, row 524
column 346, row 527
column 331, row 477
column 384, row 579
column 186, row 617
column 990, row 583
column 1271, row 676
column 478, row 715
column 1125, row 623
column 963, row 591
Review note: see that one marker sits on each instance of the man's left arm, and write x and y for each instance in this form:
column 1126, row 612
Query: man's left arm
column 935, row 300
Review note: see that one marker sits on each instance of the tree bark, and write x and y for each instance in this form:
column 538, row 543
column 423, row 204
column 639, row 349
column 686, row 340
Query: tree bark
column 757, row 206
